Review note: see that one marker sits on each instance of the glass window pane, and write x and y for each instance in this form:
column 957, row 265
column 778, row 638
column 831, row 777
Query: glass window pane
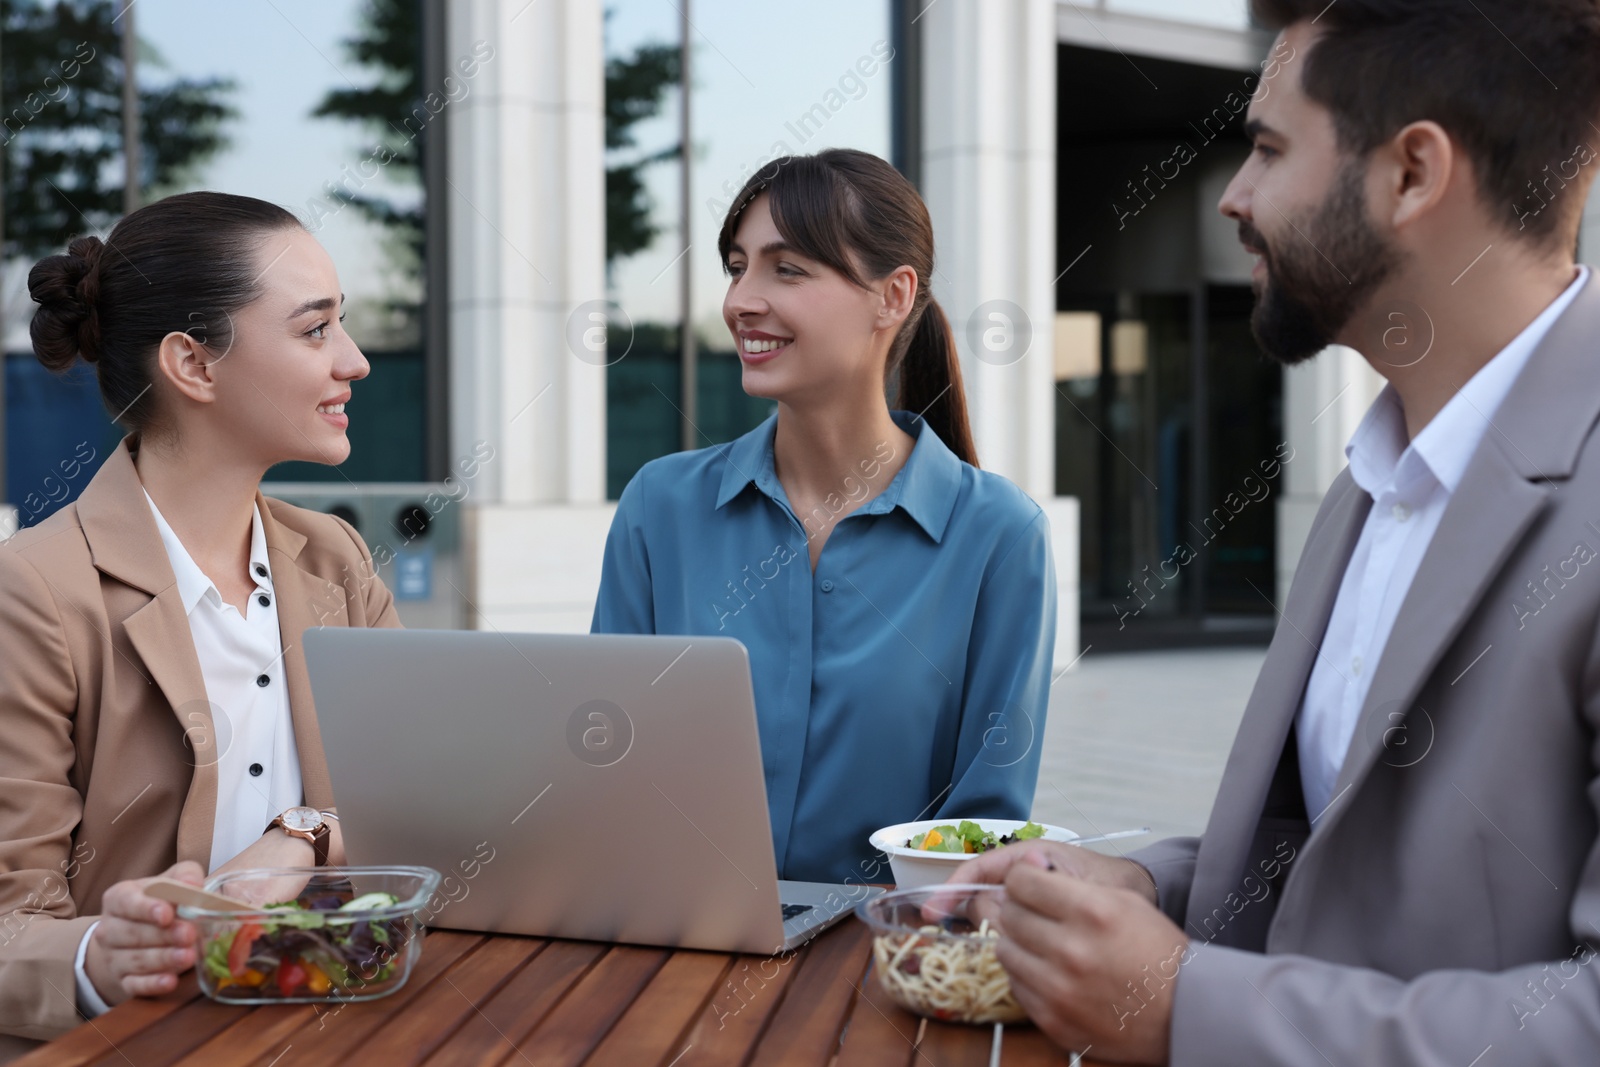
column 1233, row 14
column 290, row 61
column 749, row 105
column 752, row 104
column 644, row 242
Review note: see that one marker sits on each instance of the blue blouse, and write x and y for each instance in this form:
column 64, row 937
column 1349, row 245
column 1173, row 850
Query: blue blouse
column 907, row 678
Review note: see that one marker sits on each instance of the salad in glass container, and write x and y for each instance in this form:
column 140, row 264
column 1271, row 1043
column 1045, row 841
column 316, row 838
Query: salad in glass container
column 345, row 934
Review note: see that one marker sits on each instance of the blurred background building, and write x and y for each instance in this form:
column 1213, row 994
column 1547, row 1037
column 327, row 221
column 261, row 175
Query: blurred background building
column 529, row 257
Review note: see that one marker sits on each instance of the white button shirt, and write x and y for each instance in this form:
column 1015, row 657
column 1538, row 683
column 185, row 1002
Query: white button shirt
column 241, row 662
column 1410, row 485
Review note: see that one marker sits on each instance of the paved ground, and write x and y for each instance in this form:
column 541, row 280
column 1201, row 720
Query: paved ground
column 1140, row 739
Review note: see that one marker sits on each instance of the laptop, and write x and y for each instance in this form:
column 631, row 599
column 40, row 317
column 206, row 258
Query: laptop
column 600, row 787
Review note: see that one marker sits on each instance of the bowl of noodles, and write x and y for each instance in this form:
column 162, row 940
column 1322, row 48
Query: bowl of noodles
column 933, row 951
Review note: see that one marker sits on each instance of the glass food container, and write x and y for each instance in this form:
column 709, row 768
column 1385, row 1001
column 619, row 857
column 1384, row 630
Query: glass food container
column 933, row 952
column 315, row 935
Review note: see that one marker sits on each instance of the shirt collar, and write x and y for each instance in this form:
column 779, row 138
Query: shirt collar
column 1379, row 448
column 193, row 585
column 924, row 488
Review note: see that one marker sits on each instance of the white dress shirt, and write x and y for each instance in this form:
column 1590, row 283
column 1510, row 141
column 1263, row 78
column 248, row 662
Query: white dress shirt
column 1410, row 485
column 241, row 662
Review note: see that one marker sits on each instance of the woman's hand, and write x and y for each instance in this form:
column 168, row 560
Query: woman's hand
column 141, row 946
column 278, row 849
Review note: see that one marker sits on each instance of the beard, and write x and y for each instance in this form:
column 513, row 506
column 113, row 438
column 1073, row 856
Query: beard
column 1321, row 276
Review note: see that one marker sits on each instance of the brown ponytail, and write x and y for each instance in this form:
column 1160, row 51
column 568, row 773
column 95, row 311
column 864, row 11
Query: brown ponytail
column 930, row 382
column 842, row 202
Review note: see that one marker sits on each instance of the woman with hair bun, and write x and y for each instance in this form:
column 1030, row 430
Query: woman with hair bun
column 898, row 603
column 155, row 714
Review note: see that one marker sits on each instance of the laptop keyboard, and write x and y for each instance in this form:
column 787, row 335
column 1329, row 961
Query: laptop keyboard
column 792, row 910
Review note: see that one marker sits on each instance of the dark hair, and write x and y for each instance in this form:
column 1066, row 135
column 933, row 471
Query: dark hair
column 184, row 264
column 839, row 202
column 1516, row 82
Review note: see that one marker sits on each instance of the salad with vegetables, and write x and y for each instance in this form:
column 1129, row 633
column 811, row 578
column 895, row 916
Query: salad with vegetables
column 320, row 945
column 969, row 837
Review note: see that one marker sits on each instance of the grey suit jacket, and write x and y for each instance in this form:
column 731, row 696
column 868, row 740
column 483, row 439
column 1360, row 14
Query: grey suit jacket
column 1446, row 906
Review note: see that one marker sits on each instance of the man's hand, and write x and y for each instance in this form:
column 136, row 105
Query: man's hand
column 994, row 866
column 1093, row 964
column 141, row 946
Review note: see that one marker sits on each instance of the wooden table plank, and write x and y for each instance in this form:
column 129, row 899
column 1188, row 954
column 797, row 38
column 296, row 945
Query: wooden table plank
column 1026, row 1046
column 654, row 1030
column 805, row 1029
column 252, row 1037
column 880, row 1031
column 449, row 1001
column 883, row 1032
column 956, row 1045
column 267, row 1032
column 737, row 1014
column 330, row 1034
column 506, row 1000
column 588, row 1011
column 95, row 1038
column 497, row 1027
column 180, row 1032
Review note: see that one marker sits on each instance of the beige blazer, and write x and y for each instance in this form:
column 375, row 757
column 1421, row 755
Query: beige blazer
column 107, row 753
column 1448, row 901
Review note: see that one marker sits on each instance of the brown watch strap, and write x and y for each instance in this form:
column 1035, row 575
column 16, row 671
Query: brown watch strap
column 319, row 838
column 319, row 843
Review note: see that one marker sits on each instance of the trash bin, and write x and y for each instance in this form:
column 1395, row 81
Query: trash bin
column 413, row 531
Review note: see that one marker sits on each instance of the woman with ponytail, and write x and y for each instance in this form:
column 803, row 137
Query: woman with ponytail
column 155, row 713
column 898, row 603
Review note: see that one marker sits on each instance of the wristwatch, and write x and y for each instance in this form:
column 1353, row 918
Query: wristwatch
column 307, row 824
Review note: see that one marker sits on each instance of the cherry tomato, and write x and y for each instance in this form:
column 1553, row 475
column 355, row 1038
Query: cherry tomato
column 291, row 976
column 317, row 980
column 239, row 951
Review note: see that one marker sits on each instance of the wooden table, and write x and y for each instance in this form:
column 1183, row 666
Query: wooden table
column 476, row 999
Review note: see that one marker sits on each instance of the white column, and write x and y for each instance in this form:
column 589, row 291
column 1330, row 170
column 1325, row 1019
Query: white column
column 1324, row 400
column 989, row 179
column 526, row 202
column 526, row 210
column 988, row 169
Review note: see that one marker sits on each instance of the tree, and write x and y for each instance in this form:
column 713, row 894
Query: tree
column 389, row 43
column 61, row 130
column 635, row 86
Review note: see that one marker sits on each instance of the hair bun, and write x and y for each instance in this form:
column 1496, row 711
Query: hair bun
column 67, row 290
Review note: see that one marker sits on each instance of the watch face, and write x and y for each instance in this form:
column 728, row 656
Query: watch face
column 302, row 818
